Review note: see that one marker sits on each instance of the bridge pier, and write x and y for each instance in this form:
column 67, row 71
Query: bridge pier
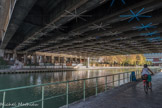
column 1, row 53
column 25, row 59
column 88, row 60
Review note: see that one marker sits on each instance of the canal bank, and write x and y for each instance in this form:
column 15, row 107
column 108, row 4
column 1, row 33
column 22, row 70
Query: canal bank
column 41, row 70
column 34, row 71
column 59, row 69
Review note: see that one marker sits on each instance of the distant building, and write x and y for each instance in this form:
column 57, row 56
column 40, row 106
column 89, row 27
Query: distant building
column 155, row 58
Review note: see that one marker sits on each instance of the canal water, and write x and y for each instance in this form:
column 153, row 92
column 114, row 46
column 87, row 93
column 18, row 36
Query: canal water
column 32, row 94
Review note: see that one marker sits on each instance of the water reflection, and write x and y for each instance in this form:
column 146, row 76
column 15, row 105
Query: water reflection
column 31, row 80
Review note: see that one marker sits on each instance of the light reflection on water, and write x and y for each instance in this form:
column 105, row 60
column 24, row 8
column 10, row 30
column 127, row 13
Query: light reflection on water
column 28, row 95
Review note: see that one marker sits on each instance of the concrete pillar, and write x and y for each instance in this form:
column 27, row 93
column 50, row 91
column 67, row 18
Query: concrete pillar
column 50, row 59
column 71, row 60
column 30, row 59
column 8, row 57
column 25, row 59
column 75, row 60
column 42, row 59
column 14, row 56
column 53, row 59
column 45, row 59
column 34, row 59
column 88, row 61
column 59, row 60
column 80, row 60
column 64, row 59
column 38, row 59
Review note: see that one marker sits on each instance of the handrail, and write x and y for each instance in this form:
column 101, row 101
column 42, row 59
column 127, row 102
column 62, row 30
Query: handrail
column 47, row 84
column 67, row 87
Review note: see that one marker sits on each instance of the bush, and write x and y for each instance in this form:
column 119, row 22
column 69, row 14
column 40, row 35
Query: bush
column 2, row 62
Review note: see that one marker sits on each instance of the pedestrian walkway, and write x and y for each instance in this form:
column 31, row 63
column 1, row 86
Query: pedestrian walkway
column 127, row 97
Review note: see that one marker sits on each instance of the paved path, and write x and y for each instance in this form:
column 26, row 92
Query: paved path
column 130, row 97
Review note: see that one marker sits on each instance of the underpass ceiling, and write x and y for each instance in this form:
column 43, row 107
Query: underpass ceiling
column 98, row 31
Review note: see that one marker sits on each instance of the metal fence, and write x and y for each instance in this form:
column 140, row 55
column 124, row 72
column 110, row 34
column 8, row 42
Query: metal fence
column 121, row 77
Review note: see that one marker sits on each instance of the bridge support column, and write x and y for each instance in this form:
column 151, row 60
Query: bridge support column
column 59, row 60
column 14, row 56
column 42, row 59
column 34, row 59
column 38, row 58
column 1, row 53
column 88, row 60
column 69, row 60
column 52, row 57
column 75, row 60
column 25, row 59
column 8, row 56
column 80, row 60
column 64, row 59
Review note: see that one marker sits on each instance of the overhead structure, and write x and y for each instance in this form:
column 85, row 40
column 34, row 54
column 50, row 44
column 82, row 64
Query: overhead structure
column 85, row 27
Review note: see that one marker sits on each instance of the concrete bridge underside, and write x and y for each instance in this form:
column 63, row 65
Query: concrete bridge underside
column 49, row 26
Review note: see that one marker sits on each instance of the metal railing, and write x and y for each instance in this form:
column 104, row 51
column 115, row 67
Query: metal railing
column 125, row 75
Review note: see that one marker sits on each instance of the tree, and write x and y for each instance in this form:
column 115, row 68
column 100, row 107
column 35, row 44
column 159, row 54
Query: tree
column 125, row 60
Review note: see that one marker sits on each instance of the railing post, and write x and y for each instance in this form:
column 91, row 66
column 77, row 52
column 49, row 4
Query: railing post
column 119, row 79
column 42, row 96
column 84, row 83
column 96, row 86
column 139, row 74
column 67, row 94
column 136, row 74
column 113, row 81
column 106, row 83
column 127, row 77
column 4, row 96
column 123, row 78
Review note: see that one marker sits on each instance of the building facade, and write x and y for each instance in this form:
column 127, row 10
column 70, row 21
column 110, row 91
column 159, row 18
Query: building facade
column 155, row 58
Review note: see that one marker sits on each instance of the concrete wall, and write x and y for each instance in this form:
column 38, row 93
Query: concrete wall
column 1, row 53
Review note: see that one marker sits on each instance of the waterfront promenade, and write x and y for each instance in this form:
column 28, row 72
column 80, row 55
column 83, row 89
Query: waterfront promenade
column 127, row 96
